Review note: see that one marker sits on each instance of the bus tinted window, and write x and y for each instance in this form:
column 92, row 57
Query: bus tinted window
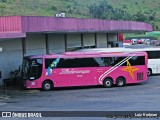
column 94, row 62
column 118, row 60
column 63, row 63
column 87, row 62
column 76, row 62
column 48, row 62
column 137, row 60
column 66, row 63
column 158, row 54
column 153, row 54
column 100, row 61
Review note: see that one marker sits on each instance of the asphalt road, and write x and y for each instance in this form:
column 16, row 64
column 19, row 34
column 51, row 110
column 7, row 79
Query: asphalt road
column 137, row 97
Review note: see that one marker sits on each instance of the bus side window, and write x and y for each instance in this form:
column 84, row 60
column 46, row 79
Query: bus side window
column 100, row 61
column 152, row 54
column 119, row 61
column 108, row 61
column 66, row 63
column 87, row 62
column 48, row 62
column 137, row 60
column 158, row 54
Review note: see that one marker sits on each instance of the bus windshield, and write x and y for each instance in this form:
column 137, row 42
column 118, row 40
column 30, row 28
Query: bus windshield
column 31, row 69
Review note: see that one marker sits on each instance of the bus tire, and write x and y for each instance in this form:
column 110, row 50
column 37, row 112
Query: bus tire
column 47, row 85
column 120, row 82
column 108, row 83
column 149, row 73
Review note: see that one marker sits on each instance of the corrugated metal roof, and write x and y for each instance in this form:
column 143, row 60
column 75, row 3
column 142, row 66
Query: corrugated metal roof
column 10, row 24
column 38, row 24
column 18, row 26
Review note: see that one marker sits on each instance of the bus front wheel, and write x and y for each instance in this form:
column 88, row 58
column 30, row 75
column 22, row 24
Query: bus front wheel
column 47, row 85
column 108, row 82
column 149, row 71
column 120, row 82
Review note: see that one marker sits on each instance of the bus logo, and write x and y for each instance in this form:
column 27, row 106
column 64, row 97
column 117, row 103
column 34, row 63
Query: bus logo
column 130, row 69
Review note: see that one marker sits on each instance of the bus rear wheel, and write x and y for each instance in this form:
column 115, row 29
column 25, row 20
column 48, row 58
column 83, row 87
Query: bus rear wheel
column 47, row 85
column 108, row 82
column 149, row 71
column 120, row 82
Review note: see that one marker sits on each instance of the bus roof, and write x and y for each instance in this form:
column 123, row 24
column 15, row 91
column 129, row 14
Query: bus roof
column 84, row 54
column 121, row 49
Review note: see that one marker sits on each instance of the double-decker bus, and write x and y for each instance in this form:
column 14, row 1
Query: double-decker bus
column 84, row 69
column 153, row 56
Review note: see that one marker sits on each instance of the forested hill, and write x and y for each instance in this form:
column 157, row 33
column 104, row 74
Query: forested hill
column 139, row 10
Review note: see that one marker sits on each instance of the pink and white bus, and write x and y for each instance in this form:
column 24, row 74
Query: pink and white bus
column 84, row 69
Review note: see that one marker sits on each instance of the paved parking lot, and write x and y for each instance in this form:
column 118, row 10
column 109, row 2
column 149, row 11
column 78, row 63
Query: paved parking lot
column 137, row 97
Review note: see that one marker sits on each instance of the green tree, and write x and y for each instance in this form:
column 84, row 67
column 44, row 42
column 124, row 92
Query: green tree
column 105, row 11
column 102, row 10
column 2, row 8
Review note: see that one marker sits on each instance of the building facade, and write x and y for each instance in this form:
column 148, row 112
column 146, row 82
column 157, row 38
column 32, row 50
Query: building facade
column 30, row 35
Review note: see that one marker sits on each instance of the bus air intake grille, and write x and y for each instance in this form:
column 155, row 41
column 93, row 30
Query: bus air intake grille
column 140, row 76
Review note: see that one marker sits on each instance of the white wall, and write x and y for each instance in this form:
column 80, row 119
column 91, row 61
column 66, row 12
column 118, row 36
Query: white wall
column 35, row 44
column 88, row 39
column 10, row 57
column 73, row 40
column 101, row 40
column 112, row 37
column 56, row 43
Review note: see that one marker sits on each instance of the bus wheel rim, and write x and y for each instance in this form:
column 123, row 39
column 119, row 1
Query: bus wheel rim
column 120, row 83
column 108, row 83
column 47, row 86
